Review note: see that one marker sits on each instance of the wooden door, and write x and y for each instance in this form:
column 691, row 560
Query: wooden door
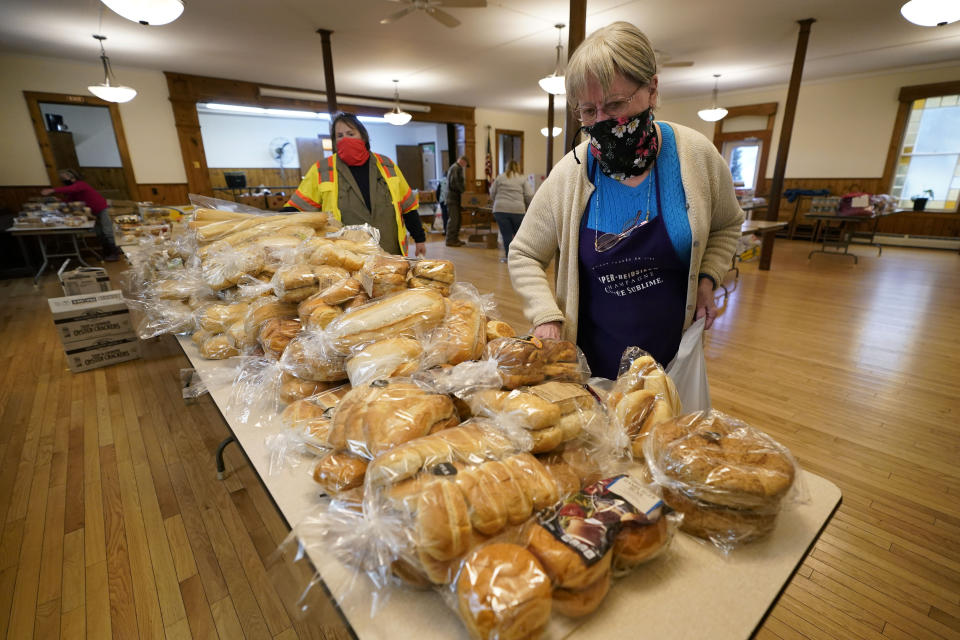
column 310, row 151
column 411, row 164
column 64, row 150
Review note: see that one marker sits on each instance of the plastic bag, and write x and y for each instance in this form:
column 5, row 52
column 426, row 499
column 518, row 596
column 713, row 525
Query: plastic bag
column 408, row 312
column 389, row 358
column 728, row 479
column 462, row 334
column 688, row 369
column 254, row 398
column 432, row 274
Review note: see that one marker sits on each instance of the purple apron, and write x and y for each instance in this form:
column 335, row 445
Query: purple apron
column 631, row 295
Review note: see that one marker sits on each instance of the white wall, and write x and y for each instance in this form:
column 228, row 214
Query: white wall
column 92, row 130
column 147, row 119
column 842, row 127
column 534, row 143
column 238, row 140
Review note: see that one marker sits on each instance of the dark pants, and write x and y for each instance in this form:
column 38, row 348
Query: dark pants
column 509, row 224
column 444, row 215
column 453, row 220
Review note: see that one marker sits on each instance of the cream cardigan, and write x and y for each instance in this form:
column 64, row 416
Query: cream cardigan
column 551, row 228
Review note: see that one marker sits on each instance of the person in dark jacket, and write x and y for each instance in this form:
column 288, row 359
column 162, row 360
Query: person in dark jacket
column 456, row 185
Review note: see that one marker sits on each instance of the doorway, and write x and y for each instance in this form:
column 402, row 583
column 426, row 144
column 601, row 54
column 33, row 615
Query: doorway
column 509, row 148
column 85, row 134
column 743, row 158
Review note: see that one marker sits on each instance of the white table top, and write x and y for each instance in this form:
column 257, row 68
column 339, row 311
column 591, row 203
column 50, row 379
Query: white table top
column 753, row 226
column 691, row 592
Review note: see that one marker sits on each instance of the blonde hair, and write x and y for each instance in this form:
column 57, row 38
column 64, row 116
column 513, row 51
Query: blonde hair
column 513, row 168
column 616, row 48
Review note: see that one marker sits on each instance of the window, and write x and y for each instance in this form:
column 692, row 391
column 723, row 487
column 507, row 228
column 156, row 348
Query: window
column 743, row 156
column 929, row 162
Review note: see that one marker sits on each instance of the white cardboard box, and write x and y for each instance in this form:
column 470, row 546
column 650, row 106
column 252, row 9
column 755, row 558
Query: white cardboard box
column 88, row 316
column 89, row 354
column 83, row 280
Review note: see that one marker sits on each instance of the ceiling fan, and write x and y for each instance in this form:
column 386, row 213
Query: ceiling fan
column 432, row 9
column 665, row 60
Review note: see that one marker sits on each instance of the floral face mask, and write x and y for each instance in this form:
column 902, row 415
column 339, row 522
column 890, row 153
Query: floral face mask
column 624, row 147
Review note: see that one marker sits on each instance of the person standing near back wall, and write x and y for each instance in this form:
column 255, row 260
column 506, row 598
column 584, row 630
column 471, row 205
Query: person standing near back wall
column 456, row 185
column 511, row 193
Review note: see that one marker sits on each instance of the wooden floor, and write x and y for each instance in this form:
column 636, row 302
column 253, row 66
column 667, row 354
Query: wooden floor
column 114, row 524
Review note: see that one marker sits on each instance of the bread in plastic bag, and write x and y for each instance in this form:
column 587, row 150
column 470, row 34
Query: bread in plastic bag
column 462, row 334
column 276, row 334
column 309, row 356
column 727, row 478
column 383, row 274
column 499, row 329
column 406, row 313
column 520, row 360
column 395, row 357
column 219, row 317
column 432, row 274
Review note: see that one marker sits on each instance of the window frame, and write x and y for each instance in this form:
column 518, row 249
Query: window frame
column 906, row 99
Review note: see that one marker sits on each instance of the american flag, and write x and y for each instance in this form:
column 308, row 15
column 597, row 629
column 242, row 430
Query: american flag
column 488, row 165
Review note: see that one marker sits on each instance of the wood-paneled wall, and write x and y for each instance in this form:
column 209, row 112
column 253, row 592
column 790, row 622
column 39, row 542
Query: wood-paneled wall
column 109, row 181
column 919, row 223
column 12, row 198
column 173, row 194
column 257, row 177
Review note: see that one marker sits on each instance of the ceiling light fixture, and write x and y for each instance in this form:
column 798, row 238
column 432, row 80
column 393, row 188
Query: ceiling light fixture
column 556, row 131
column 555, row 82
column 147, row 12
column 931, row 13
column 105, row 90
column 397, row 117
column 714, row 113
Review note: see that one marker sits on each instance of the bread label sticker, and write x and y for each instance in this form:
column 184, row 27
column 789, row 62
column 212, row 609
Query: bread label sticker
column 559, row 391
column 589, row 521
column 443, row 469
column 636, row 493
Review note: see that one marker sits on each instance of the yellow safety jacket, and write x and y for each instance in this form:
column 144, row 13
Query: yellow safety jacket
column 319, row 188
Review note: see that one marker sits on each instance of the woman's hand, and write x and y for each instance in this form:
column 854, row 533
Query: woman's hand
column 706, row 305
column 46, row 192
column 548, row 330
column 421, row 250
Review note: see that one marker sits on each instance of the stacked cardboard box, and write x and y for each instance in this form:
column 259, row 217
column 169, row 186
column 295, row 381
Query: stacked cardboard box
column 95, row 329
column 83, row 280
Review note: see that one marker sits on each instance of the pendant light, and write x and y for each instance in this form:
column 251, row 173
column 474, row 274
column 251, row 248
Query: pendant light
column 147, row 12
column 397, row 117
column 714, row 113
column 931, row 13
column 105, row 90
column 555, row 82
column 546, row 132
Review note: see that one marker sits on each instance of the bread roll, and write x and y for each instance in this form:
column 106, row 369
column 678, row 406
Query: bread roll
column 499, row 329
column 310, row 419
column 334, row 255
column 638, row 412
column 503, row 594
column 377, row 417
column 437, row 270
column 217, row 318
column 403, row 313
column 263, row 309
column 340, row 292
column 339, row 471
column 646, row 373
column 423, row 283
column 532, row 411
column 388, row 358
column 304, row 361
column 315, row 313
column 462, row 335
column 243, row 340
column 534, row 479
column 327, row 276
column 578, row 603
column 724, row 526
column 294, row 277
column 200, row 336
column 218, row 347
column 293, row 388
column 276, row 334
column 562, row 563
column 487, row 506
column 443, row 524
column 635, row 545
column 357, row 301
column 224, row 268
column 519, row 360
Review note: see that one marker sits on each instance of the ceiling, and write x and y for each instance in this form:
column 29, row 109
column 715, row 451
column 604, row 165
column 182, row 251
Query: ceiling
column 494, row 58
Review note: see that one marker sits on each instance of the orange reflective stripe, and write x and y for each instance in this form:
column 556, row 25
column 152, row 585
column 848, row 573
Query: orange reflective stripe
column 388, row 167
column 299, row 200
column 409, row 202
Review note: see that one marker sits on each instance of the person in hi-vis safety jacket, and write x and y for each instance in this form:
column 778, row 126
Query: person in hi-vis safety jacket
column 358, row 187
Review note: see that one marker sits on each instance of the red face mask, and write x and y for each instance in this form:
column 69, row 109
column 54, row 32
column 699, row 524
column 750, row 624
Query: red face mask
column 353, row 151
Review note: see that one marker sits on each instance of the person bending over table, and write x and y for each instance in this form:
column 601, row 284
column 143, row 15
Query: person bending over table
column 76, row 190
column 643, row 216
column 359, row 187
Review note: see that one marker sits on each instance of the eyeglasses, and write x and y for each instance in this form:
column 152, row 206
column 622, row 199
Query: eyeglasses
column 614, row 107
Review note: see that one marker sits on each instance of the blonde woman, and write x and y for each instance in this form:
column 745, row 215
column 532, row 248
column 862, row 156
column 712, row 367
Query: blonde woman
column 643, row 217
column 511, row 193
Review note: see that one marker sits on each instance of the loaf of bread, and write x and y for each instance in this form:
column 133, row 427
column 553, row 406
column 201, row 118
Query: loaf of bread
column 519, row 360
column 576, row 603
column 462, row 335
column 243, row 340
column 646, row 373
column 264, row 309
column 402, row 314
column 223, row 269
column 424, row 283
column 503, row 593
column 340, row 292
column 377, row 417
column 306, row 359
column 439, row 270
column 293, row 388
column 388, row 358
column 637, row 412
column 339, row 471
column 311, row 419
column 381, row 275
column 336, row 255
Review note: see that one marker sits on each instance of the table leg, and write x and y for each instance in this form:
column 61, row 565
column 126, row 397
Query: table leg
column 44, row 263
column 223, row 445
column 76, row 248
